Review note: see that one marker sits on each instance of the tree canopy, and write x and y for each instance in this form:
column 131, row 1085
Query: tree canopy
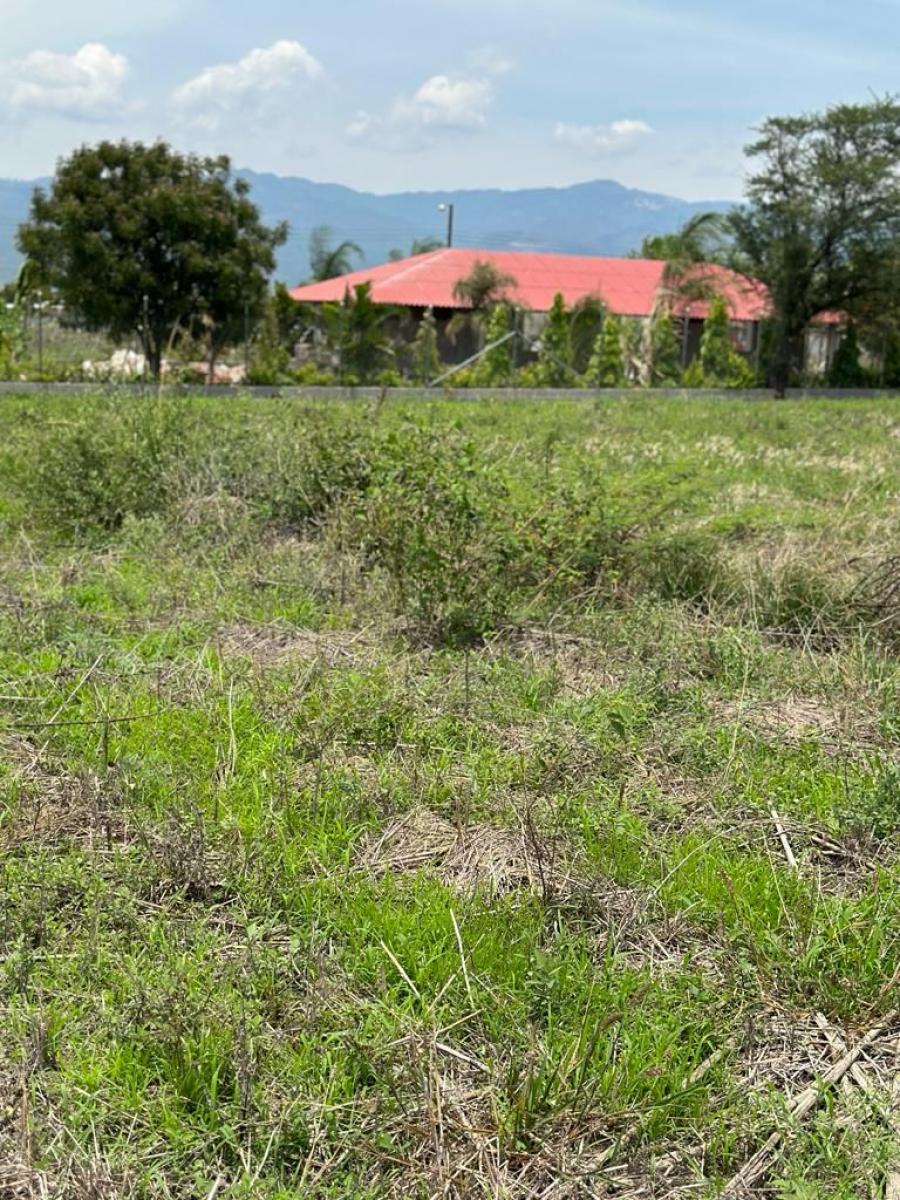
column 141, row 240
column 822, row 216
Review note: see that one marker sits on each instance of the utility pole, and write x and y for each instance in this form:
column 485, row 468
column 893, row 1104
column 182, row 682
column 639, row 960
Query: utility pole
column 448, row 209
column 146, row 339
column 41, row 334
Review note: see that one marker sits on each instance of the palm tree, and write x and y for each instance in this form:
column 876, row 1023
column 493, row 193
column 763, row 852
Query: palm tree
column 481, row 290
column 328, row 261
column 426, row 245
column 699, row 240
column 483, row 286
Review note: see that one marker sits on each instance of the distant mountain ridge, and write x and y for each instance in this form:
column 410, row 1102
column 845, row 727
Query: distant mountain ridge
column 601, row 217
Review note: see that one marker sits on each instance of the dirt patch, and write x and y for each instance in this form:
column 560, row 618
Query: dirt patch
column 276, row 644
column 798, row 719
column 53, row 805
column 469, row 858
column 582, row 665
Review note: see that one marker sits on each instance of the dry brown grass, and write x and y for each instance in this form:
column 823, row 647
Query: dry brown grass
column 793, row 720
column 272, row 645
column 469, row 858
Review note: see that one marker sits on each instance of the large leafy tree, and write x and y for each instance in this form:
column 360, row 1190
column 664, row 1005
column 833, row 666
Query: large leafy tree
column 327, row 259
column 822, row 214
column 140, row 240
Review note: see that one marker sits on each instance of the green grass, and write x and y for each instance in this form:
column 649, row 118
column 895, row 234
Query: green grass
column 386, row 795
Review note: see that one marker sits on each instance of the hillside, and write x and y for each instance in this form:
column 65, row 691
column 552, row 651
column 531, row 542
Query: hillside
column 601, row 217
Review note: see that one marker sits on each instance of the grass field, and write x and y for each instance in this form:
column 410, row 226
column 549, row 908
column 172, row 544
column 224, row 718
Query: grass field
column 447, row 799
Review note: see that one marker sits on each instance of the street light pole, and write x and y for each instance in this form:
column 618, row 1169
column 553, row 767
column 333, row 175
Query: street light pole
column 448, row 209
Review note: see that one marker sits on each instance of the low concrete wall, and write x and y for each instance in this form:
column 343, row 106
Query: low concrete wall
column 374, row 394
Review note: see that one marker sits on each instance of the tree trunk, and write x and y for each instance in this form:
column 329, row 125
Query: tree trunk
column 780, row 370
column 214, row 349
column 786, row 348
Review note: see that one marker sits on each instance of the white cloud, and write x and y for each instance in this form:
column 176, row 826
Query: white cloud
column 218, row 90
column 87, row 83
column 602, row 139
column 440, row 103
column 491, row 61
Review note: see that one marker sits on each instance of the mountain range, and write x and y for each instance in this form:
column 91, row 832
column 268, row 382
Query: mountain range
column 601, row 217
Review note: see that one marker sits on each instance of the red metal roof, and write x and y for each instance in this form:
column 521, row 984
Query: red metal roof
column 628, row 286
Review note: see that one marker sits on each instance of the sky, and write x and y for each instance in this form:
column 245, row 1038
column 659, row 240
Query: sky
column 396, row 95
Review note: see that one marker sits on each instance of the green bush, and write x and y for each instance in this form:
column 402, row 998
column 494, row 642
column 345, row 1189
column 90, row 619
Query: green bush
column 606, row 367
column 719, row 365
column 428, row 520
column 118, row 459
column 847, row 370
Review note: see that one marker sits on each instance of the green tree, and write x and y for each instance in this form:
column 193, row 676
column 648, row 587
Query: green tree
column 665, row 352
column 484, row 286
column 139, row 240
column 822, row 214
column 553, row 354
column 11, row 340
column 271, row 358
column 292, row 320
column 426, row 360
column 720, row 365
column 846, row 369
column 327, row 260
column 607, row 363
column 699, row 240
column 585, row 324
column 358, row 328
column 495, row 367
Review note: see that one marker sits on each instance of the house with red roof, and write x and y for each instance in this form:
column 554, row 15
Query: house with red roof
column 628, row 287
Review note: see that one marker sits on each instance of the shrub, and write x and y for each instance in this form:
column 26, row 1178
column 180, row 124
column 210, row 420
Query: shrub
column 117, row 460
column 495, row 367
column 847, row 370
column 428, row 520
column 665, row 365
column 720, row 365
column 426, row 361
column 553, row 355
column 606, row 367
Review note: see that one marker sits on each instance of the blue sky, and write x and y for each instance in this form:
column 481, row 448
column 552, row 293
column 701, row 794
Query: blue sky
column 406, row 94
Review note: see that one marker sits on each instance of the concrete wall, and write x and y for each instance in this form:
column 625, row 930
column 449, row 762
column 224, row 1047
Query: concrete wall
column 373, row 394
